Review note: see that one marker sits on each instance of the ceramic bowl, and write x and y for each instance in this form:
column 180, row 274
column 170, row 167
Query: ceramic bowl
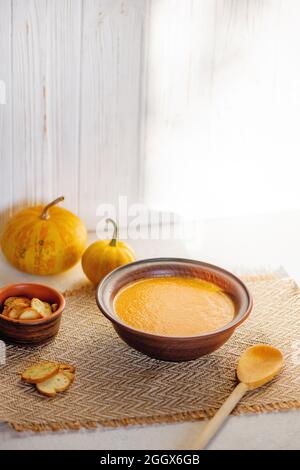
column 170, row 348
column 31, row 331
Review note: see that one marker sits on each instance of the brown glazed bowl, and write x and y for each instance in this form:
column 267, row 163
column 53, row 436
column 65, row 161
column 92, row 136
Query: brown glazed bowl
column 31, row 331
column 173, row 348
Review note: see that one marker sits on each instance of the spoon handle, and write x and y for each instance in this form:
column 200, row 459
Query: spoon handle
column 214, row 424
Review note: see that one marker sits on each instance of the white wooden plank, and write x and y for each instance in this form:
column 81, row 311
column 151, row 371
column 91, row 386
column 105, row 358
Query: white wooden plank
column 62, row 90
column 5, row 113
column 256, row 107
column 245, row 123
column 221, row 92
column 110, row 103
column 56, row 148
column 46, row 59
column 178, row 97
column 223, row 106
column 31, row 180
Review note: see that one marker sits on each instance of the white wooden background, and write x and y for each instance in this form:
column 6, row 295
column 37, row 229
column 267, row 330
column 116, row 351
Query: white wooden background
column 71, row 125
column 223, row 94
column 143, row 97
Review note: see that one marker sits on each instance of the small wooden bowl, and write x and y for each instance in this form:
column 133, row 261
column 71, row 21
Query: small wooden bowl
column 170, row 348
column 31, row 331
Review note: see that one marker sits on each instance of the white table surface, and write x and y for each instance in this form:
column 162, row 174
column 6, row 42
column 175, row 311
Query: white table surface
column 253, row 243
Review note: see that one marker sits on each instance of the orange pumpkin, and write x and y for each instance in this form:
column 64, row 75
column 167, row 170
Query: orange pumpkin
column 44, row 240
column 104, row 256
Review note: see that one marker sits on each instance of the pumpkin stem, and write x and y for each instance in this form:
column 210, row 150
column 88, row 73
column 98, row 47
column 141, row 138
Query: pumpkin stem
column 45, row 214
column 113, row 241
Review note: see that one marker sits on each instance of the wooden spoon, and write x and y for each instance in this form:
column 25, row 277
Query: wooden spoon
column 257, row 365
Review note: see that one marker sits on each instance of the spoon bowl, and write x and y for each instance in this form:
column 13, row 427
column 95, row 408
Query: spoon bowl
column 258, row 365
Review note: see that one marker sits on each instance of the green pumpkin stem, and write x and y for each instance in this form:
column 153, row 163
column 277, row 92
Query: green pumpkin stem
column 114, row 239
column 45, row 214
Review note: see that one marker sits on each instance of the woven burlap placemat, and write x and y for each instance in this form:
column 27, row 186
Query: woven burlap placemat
column 116, row 385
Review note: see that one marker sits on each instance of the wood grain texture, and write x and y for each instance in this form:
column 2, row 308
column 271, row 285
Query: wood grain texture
column 110, row 104
column 71, row 125
column 46, row 86
column 6, row 111
column 178, row 98
column 31, row 179
column 108, row 97
column 62, row 97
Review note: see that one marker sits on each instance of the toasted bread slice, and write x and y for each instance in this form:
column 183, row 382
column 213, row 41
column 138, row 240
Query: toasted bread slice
column 67, row 367
column 47, row 309
column 29, row 314
column 9, row 301
column 70, row 375
column 58, row 383
column 5, row 311
column 14, row 312
column 68, row 370
column 43, row 308
column 40, row 372
column 17, row 302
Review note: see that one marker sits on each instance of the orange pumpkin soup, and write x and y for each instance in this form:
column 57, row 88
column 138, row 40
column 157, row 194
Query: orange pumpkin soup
column 174, row 306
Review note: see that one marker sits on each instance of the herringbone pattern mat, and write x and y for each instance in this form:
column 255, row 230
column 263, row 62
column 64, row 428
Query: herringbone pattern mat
column 116, row 385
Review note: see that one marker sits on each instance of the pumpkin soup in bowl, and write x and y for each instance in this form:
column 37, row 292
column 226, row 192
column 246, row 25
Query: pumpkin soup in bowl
column 174, row 306
column 173, row 309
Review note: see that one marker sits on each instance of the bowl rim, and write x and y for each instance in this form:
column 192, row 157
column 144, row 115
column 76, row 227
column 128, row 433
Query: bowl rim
column 235, row 322
column 38, row 321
